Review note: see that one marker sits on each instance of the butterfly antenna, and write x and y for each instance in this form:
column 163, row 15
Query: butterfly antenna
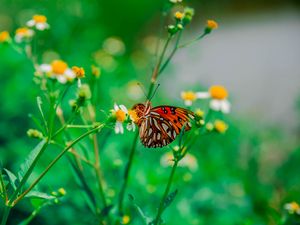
column 154, row 91
column 142, row 88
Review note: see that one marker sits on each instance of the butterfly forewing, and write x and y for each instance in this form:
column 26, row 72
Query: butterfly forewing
column 162, row 124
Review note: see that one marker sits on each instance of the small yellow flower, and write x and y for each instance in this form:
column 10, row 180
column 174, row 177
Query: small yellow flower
column 211, row 24
column 79, row 71
column 292, row 207
column 4, row 36
column 199, row 113
column 218, row 92
column 188, row 97
column 62, row 191
column 178, row 15
column 220, row 126
column 59, row 66
column 125, row 219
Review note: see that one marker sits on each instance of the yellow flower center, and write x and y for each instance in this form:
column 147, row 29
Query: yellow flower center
column 220, row 126
column 40, row 19
column 188, row 95
column 59, row 66
column 4, row 36
column 218, row 92
column 211, row 24
column 294, row 206
column 22, row 31
column 79, row 71
column 178, row 15
column 125, row 219
column 120, row 116
column 133, row 115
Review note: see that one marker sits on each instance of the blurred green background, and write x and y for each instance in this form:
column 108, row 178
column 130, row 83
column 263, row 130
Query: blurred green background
column 243, row 177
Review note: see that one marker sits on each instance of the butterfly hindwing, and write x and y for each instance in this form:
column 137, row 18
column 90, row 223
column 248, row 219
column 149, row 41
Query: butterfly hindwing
column 162, row 124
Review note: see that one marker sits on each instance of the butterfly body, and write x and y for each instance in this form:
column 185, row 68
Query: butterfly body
column 160, row 125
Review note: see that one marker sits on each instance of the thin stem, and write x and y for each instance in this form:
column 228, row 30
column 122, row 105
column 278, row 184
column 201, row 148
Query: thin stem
column 193, row 40
column 5, row 215
column 172, row 53
column 167, row 190
column 55, row 160
column 30, row 169
column 157, row 66
column 126, row 174
column 98, row 170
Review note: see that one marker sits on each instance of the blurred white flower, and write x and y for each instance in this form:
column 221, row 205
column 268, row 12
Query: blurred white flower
column 39, row 22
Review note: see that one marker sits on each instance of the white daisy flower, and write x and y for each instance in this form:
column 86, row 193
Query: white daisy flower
column 23, row 34
column 39, row 22
column 218, row 95
column 59, row 70
column 120, row 112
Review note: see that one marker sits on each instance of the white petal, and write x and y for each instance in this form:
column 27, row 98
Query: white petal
column 202, row 95
column 18, row 38
column 215, row 104
column 45, row 68
column 188, row 102
column 42, row 26
column 61, row 79
column 70, row 74
column 124, row 109
column 30, row 23
column 116, row 107
column 225, row 106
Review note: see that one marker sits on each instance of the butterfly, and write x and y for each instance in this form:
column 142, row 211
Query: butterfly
column 160, row 125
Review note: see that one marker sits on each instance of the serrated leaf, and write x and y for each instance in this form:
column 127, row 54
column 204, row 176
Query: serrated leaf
column 30, row 158
column 37, row 194
column 13, row 180
column 170, row 198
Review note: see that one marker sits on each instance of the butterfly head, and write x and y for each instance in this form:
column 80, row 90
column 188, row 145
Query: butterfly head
column 141, row 110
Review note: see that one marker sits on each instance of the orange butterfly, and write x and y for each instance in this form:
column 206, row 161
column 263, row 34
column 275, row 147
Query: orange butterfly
column 160, row 125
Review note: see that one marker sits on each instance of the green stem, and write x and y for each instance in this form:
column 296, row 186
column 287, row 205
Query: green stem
column 172, row 53
column 167, row 190
column 3, row 188
column 54, row 161
column 193, row 41
column 126, row 174
column 30, row 169
column 5, row 215
column 157, row 67
column 98, row 170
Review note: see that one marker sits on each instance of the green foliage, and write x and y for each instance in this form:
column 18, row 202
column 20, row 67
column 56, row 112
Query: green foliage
column 243, row 176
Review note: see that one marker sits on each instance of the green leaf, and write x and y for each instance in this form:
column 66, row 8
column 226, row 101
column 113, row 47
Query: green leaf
column 37, row 194
column 13, row 180
column 36, row 121
column 170, row 198
column 145, row 218
column 88, row 194
column 30, row 158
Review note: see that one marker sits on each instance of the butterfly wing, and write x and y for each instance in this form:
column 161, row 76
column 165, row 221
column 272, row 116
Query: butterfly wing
column 162, row 124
